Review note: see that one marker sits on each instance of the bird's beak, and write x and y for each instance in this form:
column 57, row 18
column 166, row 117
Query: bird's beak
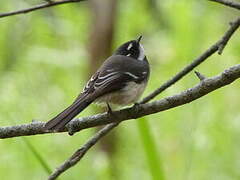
column 139, row 39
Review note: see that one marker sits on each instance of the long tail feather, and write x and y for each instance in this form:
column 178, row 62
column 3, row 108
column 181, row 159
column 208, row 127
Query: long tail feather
column 58, row 122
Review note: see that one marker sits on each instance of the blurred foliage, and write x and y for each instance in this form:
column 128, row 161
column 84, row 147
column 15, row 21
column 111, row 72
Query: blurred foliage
column 43, row 65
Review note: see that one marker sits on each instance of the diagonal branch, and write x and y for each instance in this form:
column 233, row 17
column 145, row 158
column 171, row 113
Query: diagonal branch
column 204, row 87
column 218, row 46
column 77, row 156
column 47, row 4
column 228, row 3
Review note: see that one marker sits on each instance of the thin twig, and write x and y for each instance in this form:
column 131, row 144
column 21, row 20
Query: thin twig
column 228, row 3
column 219, row 45
column 200, row 76
column 77, row 156
column 37, row 7
column 223, row 42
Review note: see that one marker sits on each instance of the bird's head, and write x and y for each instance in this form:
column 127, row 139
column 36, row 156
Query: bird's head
column 132, row 49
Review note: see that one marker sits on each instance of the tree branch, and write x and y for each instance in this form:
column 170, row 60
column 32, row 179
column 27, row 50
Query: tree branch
column 218, row 46
column 47, row 4
column 77, row 156
column 228, row 3
column 204, row 87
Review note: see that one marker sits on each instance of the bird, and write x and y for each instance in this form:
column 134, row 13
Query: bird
column 120, row 80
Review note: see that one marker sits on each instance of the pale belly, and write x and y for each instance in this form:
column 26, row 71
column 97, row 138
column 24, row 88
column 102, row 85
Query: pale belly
column 128, row 95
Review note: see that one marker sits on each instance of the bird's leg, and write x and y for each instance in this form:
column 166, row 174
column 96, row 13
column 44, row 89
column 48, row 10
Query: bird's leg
column 109, row 109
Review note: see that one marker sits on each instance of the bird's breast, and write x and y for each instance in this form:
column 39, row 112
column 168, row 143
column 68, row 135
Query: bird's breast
column 127, row 95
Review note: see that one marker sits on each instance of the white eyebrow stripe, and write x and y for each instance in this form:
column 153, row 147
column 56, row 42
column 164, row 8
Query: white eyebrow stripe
column 141, row 53
column 129, row 46
column 132, row 75
column 128, row 54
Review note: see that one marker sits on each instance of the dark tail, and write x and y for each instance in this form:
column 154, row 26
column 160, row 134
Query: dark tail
column 58, row 122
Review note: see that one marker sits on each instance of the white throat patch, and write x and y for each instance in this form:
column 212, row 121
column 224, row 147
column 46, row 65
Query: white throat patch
column 141, row 53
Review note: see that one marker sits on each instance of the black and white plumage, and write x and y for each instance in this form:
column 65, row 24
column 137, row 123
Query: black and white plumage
column 120, row 80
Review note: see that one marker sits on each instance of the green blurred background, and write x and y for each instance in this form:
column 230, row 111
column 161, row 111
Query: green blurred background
column 45, row 60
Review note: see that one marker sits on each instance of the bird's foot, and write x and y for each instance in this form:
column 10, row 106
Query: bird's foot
column 109, row 111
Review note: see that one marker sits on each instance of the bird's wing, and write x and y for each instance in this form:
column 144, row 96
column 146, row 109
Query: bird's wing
column 104, row 83
column 114, row 74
